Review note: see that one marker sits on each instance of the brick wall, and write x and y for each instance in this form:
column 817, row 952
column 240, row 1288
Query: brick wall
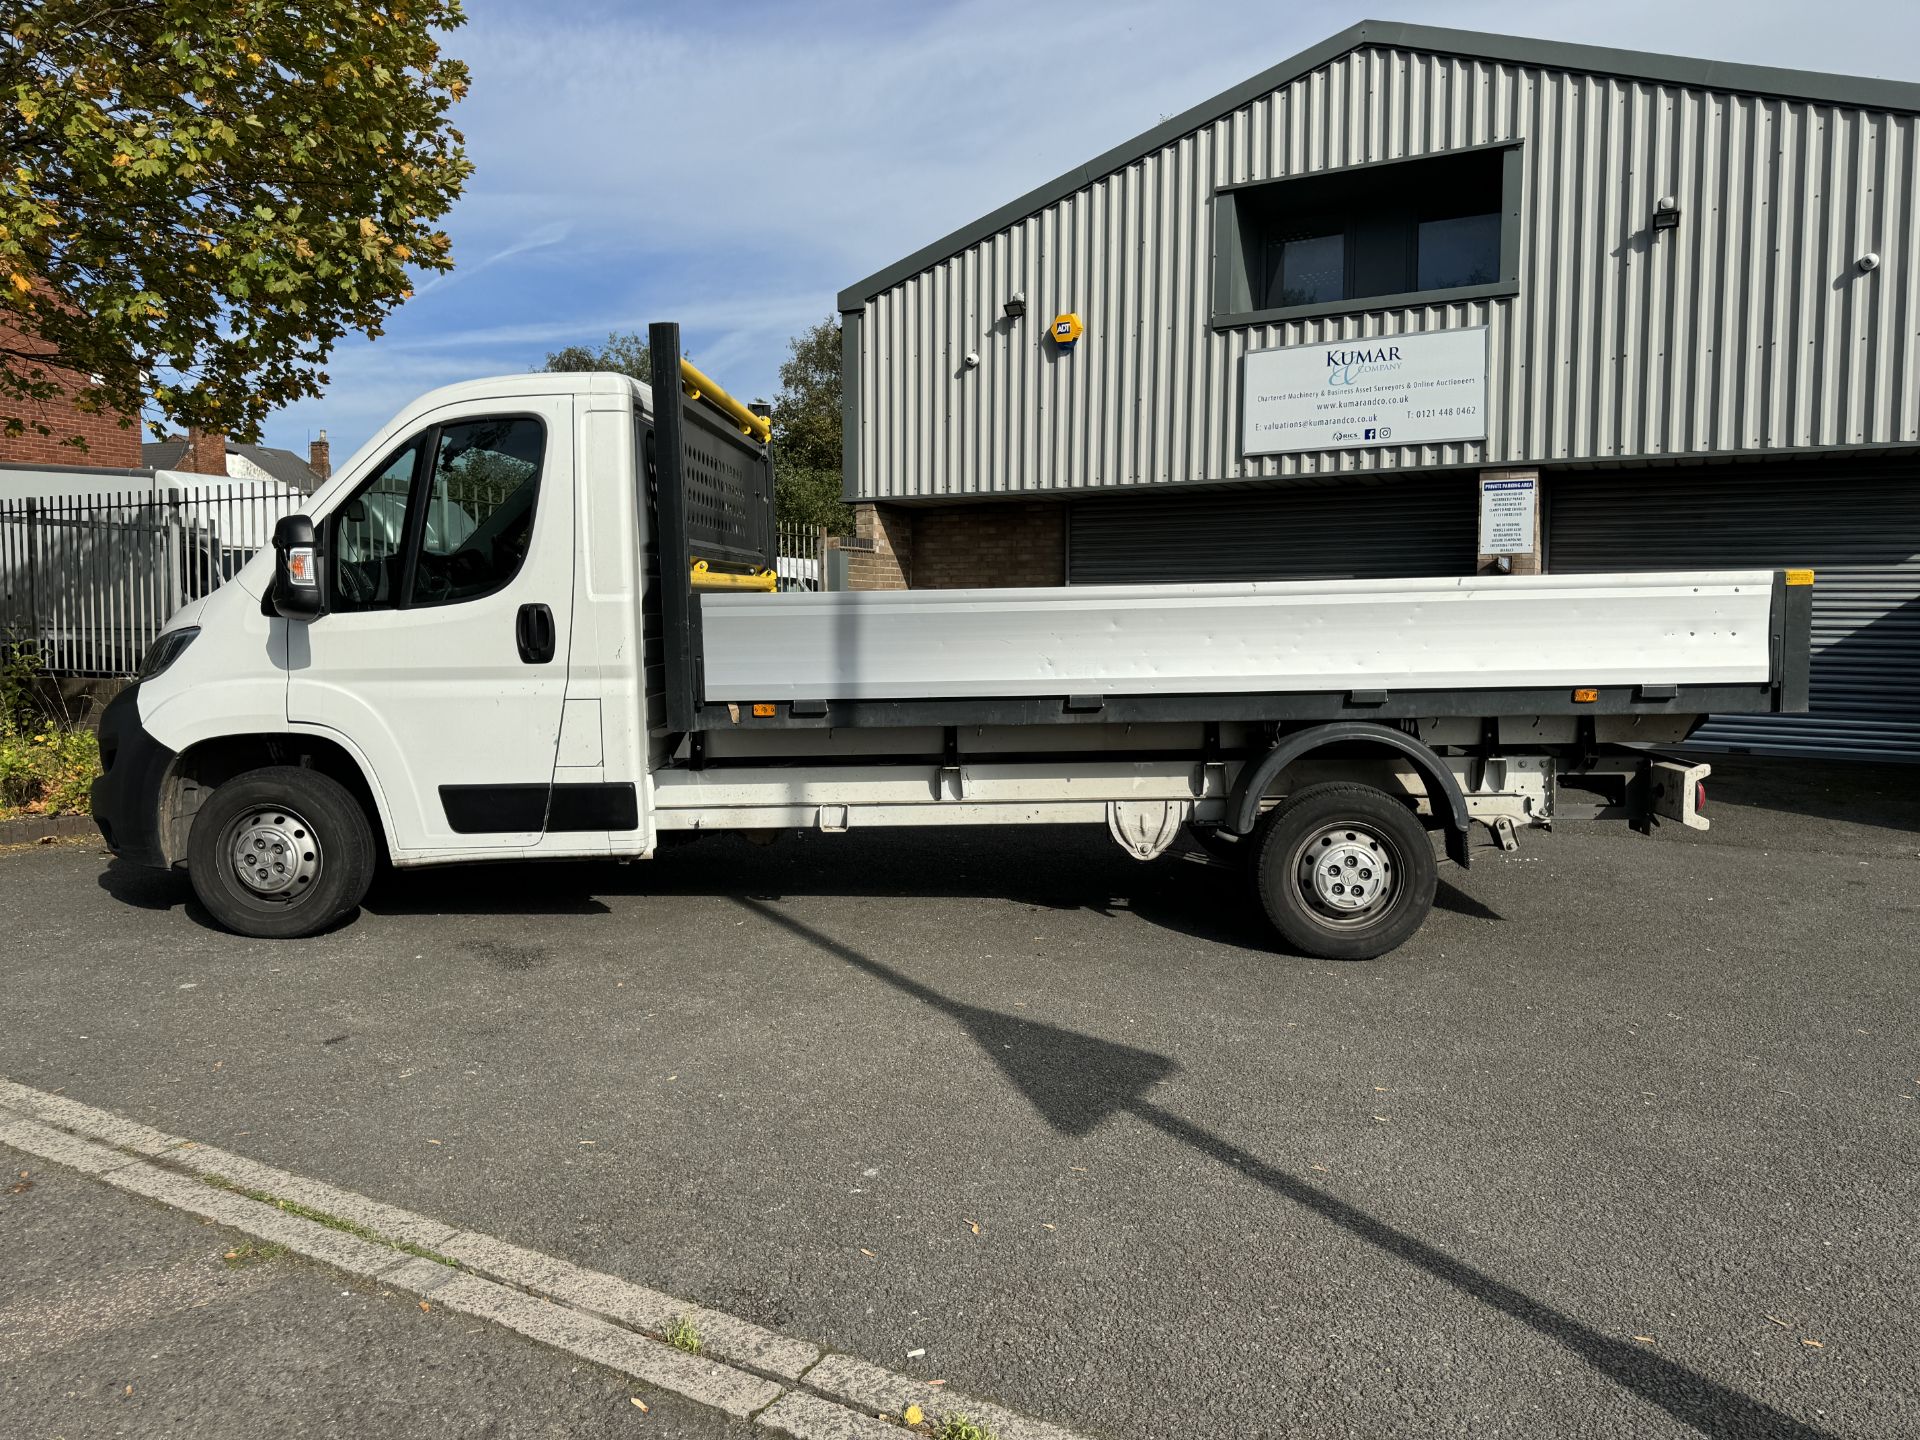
column 112, row 439
column 956, row 547
column 880, row 551
column 206, row 453
column 990, row 546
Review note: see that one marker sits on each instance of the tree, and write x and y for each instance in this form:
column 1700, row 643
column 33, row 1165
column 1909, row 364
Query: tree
column 626, row 353
column 201, row 197
column 806, row 432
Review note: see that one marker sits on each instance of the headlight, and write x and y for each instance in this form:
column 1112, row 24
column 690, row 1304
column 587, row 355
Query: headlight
column 167, row 649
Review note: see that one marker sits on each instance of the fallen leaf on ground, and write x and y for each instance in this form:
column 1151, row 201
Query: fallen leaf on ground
column 433, row 1142
column 1644, row 1339
column 1778, row 1321
column 1813, row 1344
column 1045, row 1226
column 637, row 1403
column 936, row 1382
column 866, row 1252
column 425, row 1306
column 973, row 1225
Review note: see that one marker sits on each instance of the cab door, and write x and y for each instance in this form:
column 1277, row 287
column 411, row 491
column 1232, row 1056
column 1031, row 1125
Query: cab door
column 443, row 656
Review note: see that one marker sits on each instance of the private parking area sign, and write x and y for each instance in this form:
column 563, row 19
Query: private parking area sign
column 1425, row 389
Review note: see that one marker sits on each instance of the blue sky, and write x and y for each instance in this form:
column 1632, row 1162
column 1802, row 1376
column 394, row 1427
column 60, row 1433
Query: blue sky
column 734, row 165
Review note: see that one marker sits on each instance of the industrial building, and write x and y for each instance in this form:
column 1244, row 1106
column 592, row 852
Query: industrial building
column 1428, row 302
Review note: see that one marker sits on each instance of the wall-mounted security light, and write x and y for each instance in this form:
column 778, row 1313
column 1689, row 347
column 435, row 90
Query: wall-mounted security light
column 972, row 360
column 1666, row 213
column 1016, row 305
column 1868, row 261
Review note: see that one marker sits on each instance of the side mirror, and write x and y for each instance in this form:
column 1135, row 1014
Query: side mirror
column 299, row 590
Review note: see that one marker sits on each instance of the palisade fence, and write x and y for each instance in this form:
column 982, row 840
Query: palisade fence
column 88, row 580
column 802, row 557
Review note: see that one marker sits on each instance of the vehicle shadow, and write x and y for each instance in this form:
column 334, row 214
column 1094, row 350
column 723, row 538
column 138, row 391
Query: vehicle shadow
column 1043, row 867
column 1078, row 1082
column 1853, row 792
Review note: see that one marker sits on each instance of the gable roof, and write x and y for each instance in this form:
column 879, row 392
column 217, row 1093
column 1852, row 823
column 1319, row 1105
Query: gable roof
column 1853, row 91
column 283, row 465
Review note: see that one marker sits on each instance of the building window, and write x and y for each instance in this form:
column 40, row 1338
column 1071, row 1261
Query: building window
column 1368, row 236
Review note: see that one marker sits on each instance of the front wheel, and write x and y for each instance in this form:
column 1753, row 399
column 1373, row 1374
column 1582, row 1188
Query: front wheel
column 280, row 852
column 1345, row 871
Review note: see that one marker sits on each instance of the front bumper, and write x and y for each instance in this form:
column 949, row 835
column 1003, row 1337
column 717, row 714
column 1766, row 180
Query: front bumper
column 126, row 797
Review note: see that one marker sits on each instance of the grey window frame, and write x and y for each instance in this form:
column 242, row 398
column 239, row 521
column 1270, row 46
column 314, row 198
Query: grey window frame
column 1232, row 303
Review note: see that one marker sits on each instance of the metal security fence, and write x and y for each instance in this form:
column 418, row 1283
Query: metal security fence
column 801, row 563
column 89, row 579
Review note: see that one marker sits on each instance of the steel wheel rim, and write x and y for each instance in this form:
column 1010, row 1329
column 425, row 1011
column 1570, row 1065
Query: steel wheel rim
column 274, row 853
column 1346, row 874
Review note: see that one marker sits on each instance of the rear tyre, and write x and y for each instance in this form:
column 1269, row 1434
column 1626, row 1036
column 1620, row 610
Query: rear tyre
column 280, row 852
column 1345, row 872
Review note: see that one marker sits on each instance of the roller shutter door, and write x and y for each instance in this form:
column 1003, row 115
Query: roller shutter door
column 1418, row 527
column 1859, row 529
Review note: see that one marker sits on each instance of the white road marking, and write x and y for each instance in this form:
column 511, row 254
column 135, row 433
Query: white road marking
column 743, row 1369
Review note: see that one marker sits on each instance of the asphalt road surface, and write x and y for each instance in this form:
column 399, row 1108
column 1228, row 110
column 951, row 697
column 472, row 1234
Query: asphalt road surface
column 1624, row 1143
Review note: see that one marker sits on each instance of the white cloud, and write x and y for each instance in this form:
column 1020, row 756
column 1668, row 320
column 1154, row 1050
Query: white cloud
column 736, row 168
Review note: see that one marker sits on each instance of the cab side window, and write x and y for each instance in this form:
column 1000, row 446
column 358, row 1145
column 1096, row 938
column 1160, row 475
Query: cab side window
column 479, row 500
column 447, row 518
column 370, row 536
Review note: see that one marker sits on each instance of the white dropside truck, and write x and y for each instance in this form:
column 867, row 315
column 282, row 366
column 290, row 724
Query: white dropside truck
column 533, row 619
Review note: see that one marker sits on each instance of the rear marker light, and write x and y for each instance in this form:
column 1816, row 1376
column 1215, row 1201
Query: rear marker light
column 1585, row 697
column 763, row 711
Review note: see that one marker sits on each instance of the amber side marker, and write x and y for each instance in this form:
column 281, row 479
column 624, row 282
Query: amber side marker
column 1585, row 697
column 764, row 711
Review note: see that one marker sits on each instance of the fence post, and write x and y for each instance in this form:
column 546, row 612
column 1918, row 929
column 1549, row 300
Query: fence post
column 176, row 554
column 33, row 571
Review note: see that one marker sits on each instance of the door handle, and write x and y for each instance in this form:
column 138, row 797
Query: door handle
column 533, row 629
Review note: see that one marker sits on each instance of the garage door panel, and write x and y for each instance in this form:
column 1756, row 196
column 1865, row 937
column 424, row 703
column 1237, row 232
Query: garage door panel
column 1858, row 529
column 1348, row 531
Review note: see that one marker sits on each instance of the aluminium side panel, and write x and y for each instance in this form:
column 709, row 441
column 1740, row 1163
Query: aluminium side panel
column 1702, row 628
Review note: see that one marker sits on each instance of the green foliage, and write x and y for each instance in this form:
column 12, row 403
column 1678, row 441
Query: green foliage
column 199, row 198
column 806, row 432
column 47, row 766
column 682, row 1335
column 627, row 354
column 961, row 1427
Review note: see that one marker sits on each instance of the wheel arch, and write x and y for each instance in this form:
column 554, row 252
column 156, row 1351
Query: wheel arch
column 1443, row 790
column 206, row 764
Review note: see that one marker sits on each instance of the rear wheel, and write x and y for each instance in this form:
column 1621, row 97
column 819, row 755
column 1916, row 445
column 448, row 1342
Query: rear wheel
column 280, row 852
column 1345, row 872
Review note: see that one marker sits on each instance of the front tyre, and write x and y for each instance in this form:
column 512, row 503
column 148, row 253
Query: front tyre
column 1345, row 872
column 280, row 852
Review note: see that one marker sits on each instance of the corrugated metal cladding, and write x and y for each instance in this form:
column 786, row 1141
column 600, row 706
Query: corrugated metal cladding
column 1424, row 527
column 1748, row 328
column 1860, row 531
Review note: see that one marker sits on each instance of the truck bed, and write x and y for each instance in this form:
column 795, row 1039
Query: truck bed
column 1533, row 633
